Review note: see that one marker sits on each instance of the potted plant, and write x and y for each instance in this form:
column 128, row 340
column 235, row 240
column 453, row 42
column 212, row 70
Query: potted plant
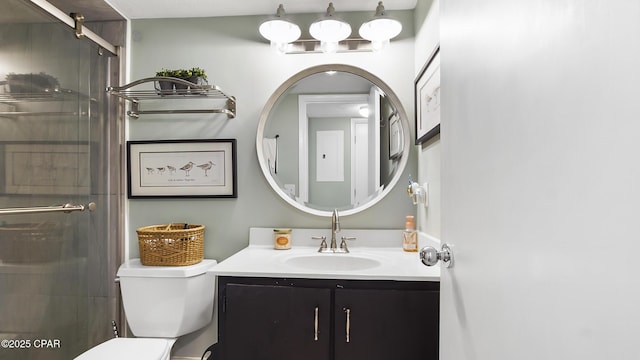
column 166, row 87
column 184, row 75
column 32, row 83
column 194, row 75
column 44, row 82
column 197, row 76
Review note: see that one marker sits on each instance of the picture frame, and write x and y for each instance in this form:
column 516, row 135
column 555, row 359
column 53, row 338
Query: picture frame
column 45, row 168
column 396, row 137
column 182, row 169
column 427, row 99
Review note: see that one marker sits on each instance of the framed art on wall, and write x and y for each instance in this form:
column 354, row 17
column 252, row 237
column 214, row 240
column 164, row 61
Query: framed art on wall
column 182, row 168
column 45, row 168
column 427, row 99
column 396, row 143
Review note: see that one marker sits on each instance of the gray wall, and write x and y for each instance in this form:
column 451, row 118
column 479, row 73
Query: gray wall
column 239, row 61
column 427, row 21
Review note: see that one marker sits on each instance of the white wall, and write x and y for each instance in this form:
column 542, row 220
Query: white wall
column 239, row 61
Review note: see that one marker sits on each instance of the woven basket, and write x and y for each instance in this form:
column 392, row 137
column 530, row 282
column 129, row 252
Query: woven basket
column 31, row 242
column 171, row 245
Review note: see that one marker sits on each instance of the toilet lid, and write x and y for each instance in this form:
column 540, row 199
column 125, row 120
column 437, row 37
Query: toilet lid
column 129, row 349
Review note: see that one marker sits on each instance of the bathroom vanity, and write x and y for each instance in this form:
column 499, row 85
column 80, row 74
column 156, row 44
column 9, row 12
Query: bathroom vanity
column 376, row 302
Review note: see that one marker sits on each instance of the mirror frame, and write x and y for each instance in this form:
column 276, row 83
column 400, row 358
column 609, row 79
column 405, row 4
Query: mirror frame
column 264, row 116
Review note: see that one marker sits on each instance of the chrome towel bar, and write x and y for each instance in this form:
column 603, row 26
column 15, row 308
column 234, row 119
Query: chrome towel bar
column 67, row 208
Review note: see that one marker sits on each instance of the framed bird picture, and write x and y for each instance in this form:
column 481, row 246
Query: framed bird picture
column 182, row 169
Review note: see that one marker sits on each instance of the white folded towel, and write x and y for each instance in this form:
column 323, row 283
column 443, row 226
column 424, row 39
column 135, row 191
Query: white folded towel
column 270, row 148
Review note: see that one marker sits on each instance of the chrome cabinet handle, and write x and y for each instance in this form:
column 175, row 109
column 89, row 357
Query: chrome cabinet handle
column 315, row 325
column 348, row 329
column 430, row 255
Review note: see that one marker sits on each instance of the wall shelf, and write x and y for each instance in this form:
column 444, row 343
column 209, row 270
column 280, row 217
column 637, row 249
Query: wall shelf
column 13, row 104
column 190, row 91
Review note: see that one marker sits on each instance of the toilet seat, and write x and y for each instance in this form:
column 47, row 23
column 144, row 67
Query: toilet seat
column 130, row 349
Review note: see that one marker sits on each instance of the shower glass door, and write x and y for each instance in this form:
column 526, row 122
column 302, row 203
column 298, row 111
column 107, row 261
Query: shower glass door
column 59, row 138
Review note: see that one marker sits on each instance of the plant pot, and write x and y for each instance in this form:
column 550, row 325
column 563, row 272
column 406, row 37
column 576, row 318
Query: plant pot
column 166, row 87
column 19, row 83
column 181, row 89
column 196, row 80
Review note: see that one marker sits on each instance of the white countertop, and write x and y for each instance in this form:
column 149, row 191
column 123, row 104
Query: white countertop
column 260, row 259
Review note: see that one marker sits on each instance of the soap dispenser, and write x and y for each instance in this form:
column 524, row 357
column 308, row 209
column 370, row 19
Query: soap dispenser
column 410, row 236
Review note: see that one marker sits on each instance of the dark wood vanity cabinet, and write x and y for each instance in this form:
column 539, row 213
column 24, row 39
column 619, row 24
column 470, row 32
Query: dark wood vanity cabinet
column 386, row 324
column 293, row 319
column 274, row 322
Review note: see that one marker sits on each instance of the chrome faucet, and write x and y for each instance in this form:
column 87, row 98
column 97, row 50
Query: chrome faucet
column 335, row 228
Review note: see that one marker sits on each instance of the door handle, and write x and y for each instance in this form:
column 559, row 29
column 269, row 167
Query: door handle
column 430, row 255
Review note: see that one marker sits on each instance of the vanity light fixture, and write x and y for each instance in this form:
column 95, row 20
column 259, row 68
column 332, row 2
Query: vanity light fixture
column 380, row 29
column 330, row 30
column 330, row 34
column 279, row 30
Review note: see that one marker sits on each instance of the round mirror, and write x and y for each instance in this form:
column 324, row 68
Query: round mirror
column 333, row 137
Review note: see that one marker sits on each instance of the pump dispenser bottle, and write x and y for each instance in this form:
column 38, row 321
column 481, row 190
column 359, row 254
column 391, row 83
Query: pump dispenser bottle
column 410, row 236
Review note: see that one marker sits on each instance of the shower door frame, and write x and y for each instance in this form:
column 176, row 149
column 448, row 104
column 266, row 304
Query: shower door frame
column 116, row 208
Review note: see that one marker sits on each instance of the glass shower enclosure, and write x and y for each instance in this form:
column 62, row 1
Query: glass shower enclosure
column 60, row 187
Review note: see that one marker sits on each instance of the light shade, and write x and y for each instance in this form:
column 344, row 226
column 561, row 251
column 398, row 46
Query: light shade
column 330, row 28
column 381, row 27
column 279, row 29
column 364, row 111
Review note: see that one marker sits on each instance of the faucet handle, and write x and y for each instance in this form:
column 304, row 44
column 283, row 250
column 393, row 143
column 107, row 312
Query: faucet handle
column 323, row 244
column 343, row 243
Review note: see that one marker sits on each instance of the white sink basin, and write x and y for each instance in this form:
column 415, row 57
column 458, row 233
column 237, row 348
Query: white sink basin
column 339, row 262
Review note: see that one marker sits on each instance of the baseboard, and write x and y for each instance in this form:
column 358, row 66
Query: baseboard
column 184, row 358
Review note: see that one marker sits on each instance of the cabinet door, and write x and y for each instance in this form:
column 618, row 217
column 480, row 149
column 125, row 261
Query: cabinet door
column 386, row 324
column 264, row 322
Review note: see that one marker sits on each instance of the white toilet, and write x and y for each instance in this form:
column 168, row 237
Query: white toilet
column 161, row 303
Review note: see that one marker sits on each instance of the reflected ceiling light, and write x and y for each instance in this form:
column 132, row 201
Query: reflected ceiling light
column 330, row 30
column 279, row 30
column 364, row 111
column 380, row 29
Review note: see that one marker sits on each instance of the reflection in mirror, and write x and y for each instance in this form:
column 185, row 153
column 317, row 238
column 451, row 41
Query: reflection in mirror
column 333, row 137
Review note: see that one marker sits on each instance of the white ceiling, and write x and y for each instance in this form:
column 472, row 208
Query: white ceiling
column 146, row 9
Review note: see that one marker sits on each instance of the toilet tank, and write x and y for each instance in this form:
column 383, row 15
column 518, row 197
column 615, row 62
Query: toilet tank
column 167, row 301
